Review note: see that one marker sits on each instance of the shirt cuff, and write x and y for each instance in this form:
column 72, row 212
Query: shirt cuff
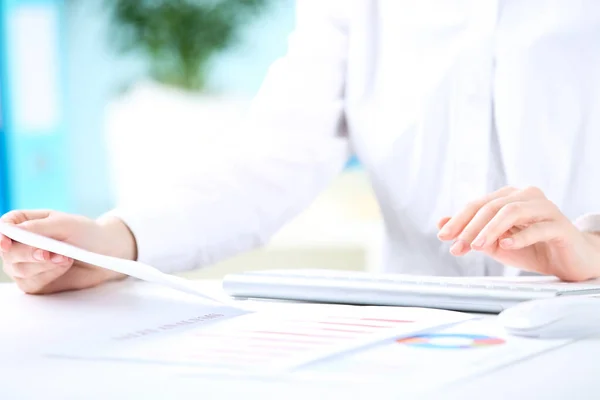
column 151, row 243
column 588, row 222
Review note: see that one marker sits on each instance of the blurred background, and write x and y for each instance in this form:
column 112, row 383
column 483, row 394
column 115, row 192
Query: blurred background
column 104, row 99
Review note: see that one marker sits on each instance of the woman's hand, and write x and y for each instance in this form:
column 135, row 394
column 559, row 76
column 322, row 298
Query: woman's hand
column 37, row 271
column 522, row 228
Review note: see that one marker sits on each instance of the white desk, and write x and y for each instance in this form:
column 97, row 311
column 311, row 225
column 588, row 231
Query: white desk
column 29, row 324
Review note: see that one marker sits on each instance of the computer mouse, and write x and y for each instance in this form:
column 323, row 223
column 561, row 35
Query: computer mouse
column 568, row 317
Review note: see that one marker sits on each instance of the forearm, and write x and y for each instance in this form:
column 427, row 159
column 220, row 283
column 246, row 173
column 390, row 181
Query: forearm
column 234, row 209
column 187, row 228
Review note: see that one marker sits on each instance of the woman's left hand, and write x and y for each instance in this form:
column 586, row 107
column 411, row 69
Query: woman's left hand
column 522, row 228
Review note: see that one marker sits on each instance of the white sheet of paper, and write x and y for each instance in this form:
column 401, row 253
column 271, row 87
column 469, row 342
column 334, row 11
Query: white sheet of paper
column 435, row 359
column 131, row 268
column 36, row 325
column 267, row 342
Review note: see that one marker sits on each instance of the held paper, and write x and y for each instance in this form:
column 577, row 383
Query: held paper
column 131, row 268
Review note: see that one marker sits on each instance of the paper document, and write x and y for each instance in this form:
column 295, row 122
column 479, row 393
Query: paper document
column 430, row 360
column 131, row 268
column 267, row 342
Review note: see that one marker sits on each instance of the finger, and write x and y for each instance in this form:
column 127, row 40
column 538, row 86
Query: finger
column 471, row 236
column 5, row 244
column 479, row 221
column 457, row 223
column 39, row 283
column 75, row 279
column 442, row 222
column 20, row 216
column 21, row 253
column 519, row 213
column 49, row 227
column 28, row 270
column 544, row 231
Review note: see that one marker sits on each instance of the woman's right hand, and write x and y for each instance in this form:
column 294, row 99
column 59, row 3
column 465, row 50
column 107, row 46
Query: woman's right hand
column 37, row 271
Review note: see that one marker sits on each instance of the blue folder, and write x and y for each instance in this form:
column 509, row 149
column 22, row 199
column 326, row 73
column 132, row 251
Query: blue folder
column 34, row 170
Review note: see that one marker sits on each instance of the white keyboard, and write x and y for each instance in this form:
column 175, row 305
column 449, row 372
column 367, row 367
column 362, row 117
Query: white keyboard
column 483, row 294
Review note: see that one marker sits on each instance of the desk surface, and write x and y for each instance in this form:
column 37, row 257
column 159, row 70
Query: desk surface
column 29, row 324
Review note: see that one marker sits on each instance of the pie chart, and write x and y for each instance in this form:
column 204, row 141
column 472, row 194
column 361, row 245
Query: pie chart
column 452, row 341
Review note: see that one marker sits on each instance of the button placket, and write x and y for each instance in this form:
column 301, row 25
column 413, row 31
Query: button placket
column 472, row 121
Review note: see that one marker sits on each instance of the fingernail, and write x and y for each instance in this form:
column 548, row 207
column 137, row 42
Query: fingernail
column 457, row 247
column 57, row 258
column 442, row 222
column 38, row 255
column 508, row 242
column 445, row 232
column 478, row 242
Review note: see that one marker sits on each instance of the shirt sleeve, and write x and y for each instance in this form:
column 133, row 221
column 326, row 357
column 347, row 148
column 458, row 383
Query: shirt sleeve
column 588, row 222
column 289, row 147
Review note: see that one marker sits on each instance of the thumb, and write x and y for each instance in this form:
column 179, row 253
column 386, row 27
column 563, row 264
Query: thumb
column 19, row 216
column 49, row 227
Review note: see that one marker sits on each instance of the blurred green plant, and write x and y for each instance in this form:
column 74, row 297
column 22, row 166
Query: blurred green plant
column 178, row 38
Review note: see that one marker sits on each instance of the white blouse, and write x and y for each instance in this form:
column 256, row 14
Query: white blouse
column 441, row 100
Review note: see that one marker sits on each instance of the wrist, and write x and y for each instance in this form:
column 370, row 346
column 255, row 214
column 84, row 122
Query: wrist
column 593, row 239
column 120, row 241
